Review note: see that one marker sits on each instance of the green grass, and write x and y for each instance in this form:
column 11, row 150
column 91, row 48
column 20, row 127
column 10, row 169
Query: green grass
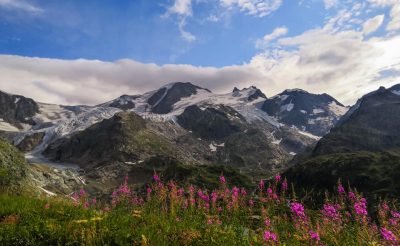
column 167, row 216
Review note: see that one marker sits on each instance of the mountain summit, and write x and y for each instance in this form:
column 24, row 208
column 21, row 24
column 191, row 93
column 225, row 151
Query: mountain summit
column 314, row 113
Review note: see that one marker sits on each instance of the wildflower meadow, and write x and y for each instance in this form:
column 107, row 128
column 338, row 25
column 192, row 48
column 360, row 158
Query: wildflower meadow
column 164, row 213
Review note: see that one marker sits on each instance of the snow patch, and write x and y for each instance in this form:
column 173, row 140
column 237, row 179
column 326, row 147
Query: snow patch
column 337, row 109
column 7, row 127
column 396, row 92
column 318, row 111
column 303, row 111
column 309, row 135
column 213, row 148
column 287, row 107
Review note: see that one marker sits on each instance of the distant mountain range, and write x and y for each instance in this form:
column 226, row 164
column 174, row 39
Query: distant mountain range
column 218, row 121
column 184, row 124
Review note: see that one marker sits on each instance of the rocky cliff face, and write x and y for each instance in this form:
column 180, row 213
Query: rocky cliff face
column 16, row 109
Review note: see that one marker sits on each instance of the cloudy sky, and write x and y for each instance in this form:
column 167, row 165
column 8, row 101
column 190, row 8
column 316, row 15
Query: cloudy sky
column 88, row 52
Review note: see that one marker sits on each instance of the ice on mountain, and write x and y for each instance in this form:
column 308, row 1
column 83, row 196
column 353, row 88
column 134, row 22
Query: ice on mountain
column 318, row 111
column 396, row 92
column 287, row 107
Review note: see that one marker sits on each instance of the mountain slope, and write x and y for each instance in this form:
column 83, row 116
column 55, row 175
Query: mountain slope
column 17, row 110
column 308, row 112
column 363, row 150
column 371, row 125
column 12, row 165
column 122, row 138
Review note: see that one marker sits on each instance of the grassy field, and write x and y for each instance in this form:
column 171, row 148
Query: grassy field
column 166, row 214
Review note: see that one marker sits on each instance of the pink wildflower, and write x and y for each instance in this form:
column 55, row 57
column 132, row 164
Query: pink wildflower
column 361, row 207
column 149, row 190
column 82, row 192
column 284, row 185
column 330, row 211
column 222, row 179
column 270, row 236
column 86, row 205
column 261, row 185
column 298, row 209
column 47, row 206
column 352, row 196
column 156, row 178
column 214, row 196
column 277, row 178
column 269, row 191
column 251, row 203
column 314, row 235
column 395, row 214
column 341, row 189
column 388, row 235
column 267, row 222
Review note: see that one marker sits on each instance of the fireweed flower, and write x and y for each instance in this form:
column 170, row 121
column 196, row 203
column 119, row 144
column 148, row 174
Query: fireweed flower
column 82, row 192
column 388, row 236
column 180, row 192
column 270, row 236
column 214, row 197
column 395, row 214
column 314, row 235
column 277, row 178
column 251, row 203
column 393, row 222
column 360, row 207
column 352, row 196
column 284, row 185
column 298, row 209
column 156, row 178
column 149, row 190
column 267, row 222
column 269, row 191
column 330, row 211
column 341, row 189
column 222, row 179
column 261, row 185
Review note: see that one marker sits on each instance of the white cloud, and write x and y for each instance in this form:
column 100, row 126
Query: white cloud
column 371, row 25
column 182, row 9
column 335, row 58
column 276, row 33
column 394, row 24
column 92, row 82
column 20, row 5
column 259, row 8
column 330, row 3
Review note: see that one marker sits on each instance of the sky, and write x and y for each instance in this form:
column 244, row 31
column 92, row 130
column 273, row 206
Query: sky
column 89, row 52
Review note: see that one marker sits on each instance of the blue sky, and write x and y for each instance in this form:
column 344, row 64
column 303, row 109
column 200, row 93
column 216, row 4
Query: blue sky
column 318, row 45
column 144, row 30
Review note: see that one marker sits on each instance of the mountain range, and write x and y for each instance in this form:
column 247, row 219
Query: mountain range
column 184, row 126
